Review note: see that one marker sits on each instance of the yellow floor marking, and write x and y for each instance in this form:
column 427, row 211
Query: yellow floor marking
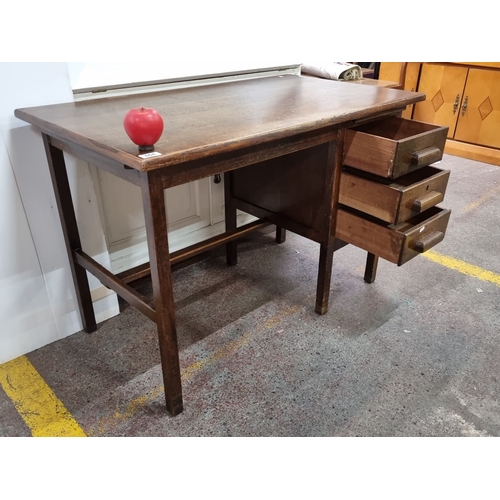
column 485, row 197
column 39, row 407
column 463, row 267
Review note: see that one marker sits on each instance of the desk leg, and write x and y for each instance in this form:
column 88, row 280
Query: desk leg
column 371, row 267
column 330, row 205
column 324, row 276
column 280, row 234
column 231, row 220
column 153, row 198
column 59, row 176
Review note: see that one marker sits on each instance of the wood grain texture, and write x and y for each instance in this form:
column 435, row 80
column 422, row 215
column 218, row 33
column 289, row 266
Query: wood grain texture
column 387, row 147
column 230, row 219
column 442, row 84
column 411, row 83
column 292, row 185
column 64, row 200
column 126, row 292
column 161, row 278
column 369, row 235
column 395, row 201
column 371, row 268
column 473, row 152
column 480, row 123
column 329, row 208
column 369, row 196
column 397, row 244
column 213, row 119
column 421, row 237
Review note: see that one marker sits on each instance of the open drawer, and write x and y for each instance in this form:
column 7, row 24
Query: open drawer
column 395, row 243
column 394, row 201
column 393, row 146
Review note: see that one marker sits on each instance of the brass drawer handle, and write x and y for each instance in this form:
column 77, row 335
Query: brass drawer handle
column 464, row 105
column 455, row 104
column 428, row 241
column 425, row 156
column 428, row 200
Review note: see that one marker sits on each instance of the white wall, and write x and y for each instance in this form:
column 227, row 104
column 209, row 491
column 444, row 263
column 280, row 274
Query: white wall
column 37, row 299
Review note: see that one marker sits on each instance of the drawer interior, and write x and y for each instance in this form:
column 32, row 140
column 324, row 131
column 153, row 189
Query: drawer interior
column 422, row 174
column 396, row 128
column 416, row 221
column 394, row 146
column 401, row 182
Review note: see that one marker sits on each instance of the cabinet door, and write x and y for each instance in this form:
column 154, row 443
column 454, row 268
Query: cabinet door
column 479, row 121
column 443, row 86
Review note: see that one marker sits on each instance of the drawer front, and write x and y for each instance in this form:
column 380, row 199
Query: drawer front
column 396, row 201
column 395, row 243
column 394, row 146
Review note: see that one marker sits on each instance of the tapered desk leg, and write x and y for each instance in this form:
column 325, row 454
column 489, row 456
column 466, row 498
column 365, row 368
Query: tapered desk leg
column 371, row 268
column 330, row 206
column 161, row 277
column 59, row 176
column 324, row 276
column 231, row 220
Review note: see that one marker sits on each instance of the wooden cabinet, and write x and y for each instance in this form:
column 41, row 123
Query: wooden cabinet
column 465, row 99
column 406, row 74
column 463, row 96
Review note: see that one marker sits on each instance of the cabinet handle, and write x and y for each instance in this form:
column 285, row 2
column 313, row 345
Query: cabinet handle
column 425, row 156
column 428, row 241
column 217, row 179
column 464, row 105
column 428, row 200
column 455, row 104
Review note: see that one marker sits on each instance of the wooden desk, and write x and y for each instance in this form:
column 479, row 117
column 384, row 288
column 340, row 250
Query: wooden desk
column 278, row 141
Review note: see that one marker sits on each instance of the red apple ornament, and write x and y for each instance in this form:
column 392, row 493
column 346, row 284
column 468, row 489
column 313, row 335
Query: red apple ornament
column 144, row 126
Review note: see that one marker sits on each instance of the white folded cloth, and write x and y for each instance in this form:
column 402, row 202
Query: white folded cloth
column 333, row 71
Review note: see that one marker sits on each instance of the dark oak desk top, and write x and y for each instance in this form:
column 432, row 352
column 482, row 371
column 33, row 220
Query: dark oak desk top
column 212, row 119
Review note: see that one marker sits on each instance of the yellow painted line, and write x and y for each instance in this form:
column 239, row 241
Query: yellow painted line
column 485, row 197
column 39, row 407
column 463, row 267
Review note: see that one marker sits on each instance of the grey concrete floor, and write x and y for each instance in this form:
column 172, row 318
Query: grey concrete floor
column 413, row 354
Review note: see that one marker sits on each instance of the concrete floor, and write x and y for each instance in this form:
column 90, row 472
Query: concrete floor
column 413, row 354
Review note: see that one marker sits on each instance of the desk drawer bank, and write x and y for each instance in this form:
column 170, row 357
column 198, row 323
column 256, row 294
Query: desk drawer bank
column 387, row 197
column 286, row 147
column 389, row 189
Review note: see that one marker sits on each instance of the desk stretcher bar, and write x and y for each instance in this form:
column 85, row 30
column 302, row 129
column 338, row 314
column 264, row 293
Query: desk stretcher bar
column 118, row 283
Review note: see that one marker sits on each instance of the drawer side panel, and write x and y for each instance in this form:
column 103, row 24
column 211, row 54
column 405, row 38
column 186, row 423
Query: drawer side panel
column 370, row 236
column 369, row 152
column 373, row 198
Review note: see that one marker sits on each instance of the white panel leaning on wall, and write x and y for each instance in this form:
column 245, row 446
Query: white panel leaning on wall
column 38, row 303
